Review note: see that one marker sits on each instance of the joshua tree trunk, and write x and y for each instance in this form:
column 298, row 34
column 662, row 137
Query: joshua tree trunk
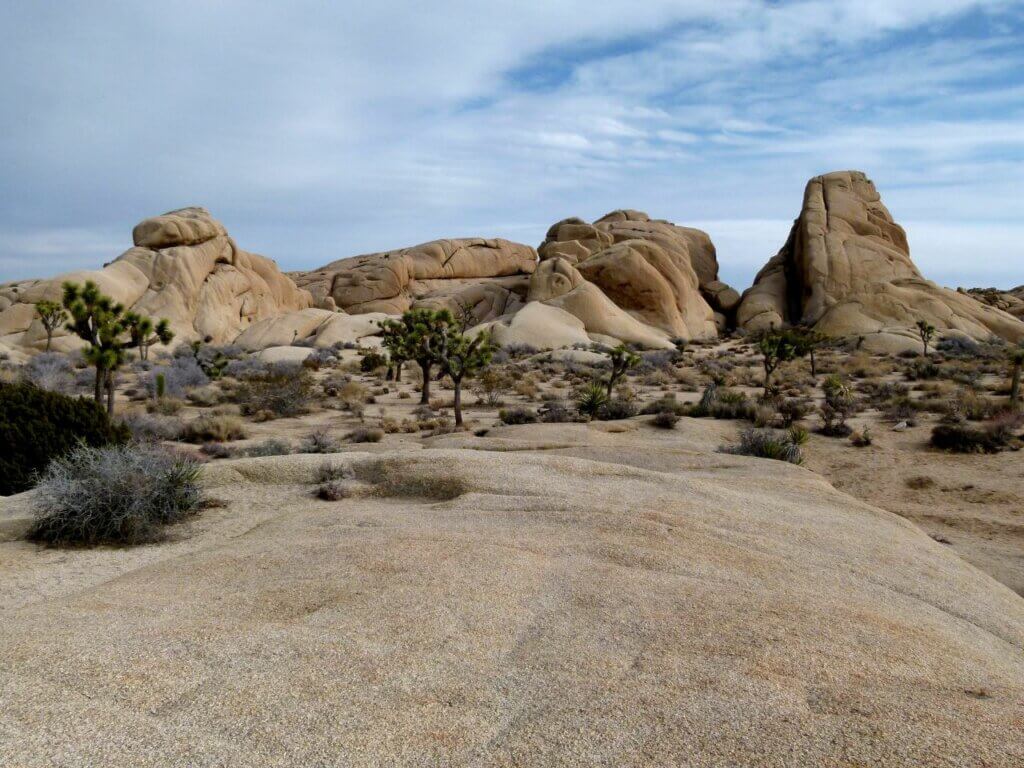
column 814, row 366
column 110, row 393
column 1015, row 386
column 457, row 402
column 49, row 339
column 425, row 390
column 101, row 377
column 398, row 372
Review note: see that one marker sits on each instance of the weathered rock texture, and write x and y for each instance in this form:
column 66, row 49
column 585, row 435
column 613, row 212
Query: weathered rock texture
column 664, row 275
column 1011, row 301
column 846, row 269
column 556, row 596
column 184, row 267
column 487, row 276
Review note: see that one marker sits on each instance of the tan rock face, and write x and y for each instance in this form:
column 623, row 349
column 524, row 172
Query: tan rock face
column 184, row 267
column 846, row 269
column 438, row 273
column 664, row 275
column 1011, row 301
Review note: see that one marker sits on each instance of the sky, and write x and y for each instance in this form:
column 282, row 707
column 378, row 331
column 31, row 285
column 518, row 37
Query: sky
column 318, row 130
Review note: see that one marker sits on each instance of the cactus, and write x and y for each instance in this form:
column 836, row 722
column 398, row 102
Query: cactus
column 161, row 386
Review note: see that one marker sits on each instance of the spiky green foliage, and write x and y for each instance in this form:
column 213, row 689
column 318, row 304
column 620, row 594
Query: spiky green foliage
column 592, row 398
column 927, row 332
column 623, row 360
column 144, row 333
column 52, row 315
column 418, row 336
column 212, row 364
column 808, row 341
column 776, row 348
column 460, row 357
column 108, row 331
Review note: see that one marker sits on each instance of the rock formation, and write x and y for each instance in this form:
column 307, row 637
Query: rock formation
column 1011, row 301
column 184, row 267
column 487, row 276
column 846, row 270
column 664, row 275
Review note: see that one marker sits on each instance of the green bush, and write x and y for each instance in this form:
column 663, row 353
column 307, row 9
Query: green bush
column 284, row 390
column 37, row 426
column 121, row 494
column 517, row 415
column 992, row 437
column 767, row 444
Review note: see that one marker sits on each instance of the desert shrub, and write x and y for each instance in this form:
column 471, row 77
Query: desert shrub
column 958, row 347
column 245, row 368
column 215, row 450
column 615, row 409
column 840, row 403
column 181, row 375
column 766, row 444
column 517, row 415
column 665, row 420
column 526, row 387
column 320, row 440
column 372, row 361
column 557, row 413
column 490, row 385
column 791, row 410
column 666, row 404
column 51, row 371
column 798, row 435
column 213, row 427
column 37, row 426
column 353, row 396
column 922, row 370
column 365, row 435
column 152, row 427
column 272, row 446
column 861, row 438
column 206, row 396
column 991, row 437
column 282, row 390
column 114, row 495
column 591, row 399
column 334, row 490
column 320, row 358
column 967, row 403
column 727, row 404
column 520, row 350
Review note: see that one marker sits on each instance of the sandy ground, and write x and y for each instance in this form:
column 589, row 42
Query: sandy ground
column 569, row 595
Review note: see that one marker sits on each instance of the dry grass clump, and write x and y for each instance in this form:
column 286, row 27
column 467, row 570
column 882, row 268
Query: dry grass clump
column 665, row 420
column 780, row 445
column 996, row 435
column 114, row 495
column 365, row 435
column 282, row 391
column 213, row 428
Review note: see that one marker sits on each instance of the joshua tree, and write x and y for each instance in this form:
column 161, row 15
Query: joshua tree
column 103, row 325
column 145, row 333
column 1016, row 356
column 419, row 335
column 461, row 356
column 808, row 341
column 776, row 347
column 927, row 332
column 623, row 359
column 52, row 316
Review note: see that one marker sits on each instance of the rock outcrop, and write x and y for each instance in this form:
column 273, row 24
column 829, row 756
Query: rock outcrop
column 846, row 270
column 1011, row 301
column 664, row 275
column 490, row 277
column 184, row 267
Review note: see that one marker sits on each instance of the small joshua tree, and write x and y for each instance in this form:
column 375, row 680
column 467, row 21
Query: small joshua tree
column 623, row 359
column 927, row 332
column 52, row 315
column 462, row 356
column 1016, row 356
column 145, row 333
column 776, row 348
column 102, row 324
column 808, row 341
column 419, row 336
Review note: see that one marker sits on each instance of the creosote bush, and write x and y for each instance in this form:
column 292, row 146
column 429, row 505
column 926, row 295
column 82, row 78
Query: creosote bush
column 213, row 427
column 665, row 420
column 517, row 416
column 37, row 426
column 114, row 495
column 992, row 437
column 283, row 390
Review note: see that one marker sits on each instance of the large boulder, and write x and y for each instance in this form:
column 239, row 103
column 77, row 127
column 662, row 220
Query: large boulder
column 846, row 270
column 1011, row 301
column 184, row 267
column 663, row 274
column 483, row 273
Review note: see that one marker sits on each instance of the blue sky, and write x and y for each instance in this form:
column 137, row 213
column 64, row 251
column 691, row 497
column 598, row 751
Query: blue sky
column 317, row 130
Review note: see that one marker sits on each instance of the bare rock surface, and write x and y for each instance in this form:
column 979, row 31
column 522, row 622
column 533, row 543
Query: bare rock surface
column 549, row 598
column 389, row 282
column 1011, row 301
column 846, row 269
column 183, row 267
